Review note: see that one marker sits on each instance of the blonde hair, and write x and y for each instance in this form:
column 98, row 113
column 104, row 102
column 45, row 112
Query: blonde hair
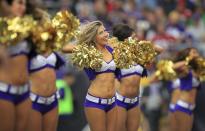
column 89, row 32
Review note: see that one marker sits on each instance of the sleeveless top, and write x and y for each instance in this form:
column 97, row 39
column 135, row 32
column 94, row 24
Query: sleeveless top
column 39, row 62
column 106, row 67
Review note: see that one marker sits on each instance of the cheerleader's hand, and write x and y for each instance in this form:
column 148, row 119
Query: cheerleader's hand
column 68, row 48
column 179, row 64
column 158, row 49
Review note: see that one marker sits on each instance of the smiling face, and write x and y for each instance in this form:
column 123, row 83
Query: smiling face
column 18, row 7
column 93, row 34
column 102, row 36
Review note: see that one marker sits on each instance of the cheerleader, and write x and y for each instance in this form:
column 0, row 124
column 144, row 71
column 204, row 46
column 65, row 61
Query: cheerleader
column 185, row 104
column 44, row 95
column 99, row 103
column 42, row 68
column 14, row 86
column 173, row 88
column 127, row 95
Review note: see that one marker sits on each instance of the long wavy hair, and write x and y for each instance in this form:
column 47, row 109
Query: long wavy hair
column 181, row 55
column 88, row 33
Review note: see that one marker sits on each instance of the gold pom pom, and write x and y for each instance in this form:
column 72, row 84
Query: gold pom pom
column 113, row 42
column 44, row 36
column 124, row 53
column 144, row 52
column 85, row 56
column 51, row 35
column 200, row 68
column 4, row 34
column 17, row 29
column 165, row 70
column 47, row 35
column 131, row 51
column 66, row 25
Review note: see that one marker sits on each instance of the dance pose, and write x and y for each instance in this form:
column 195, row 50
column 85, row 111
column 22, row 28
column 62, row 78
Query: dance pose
column 44, row 95
column 185, row 104
column 127, row 95
column 42, row 68
column 14, row 86
column 99, row 103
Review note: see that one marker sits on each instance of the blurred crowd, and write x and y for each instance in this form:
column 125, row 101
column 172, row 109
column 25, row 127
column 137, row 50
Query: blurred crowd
column 172, row 24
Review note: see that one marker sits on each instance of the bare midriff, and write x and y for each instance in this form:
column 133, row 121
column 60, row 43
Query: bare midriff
column 103, row 86
column 129, row 86
column 189, row 96
column 16, row 72
column 175, row 96
column 43, row 82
